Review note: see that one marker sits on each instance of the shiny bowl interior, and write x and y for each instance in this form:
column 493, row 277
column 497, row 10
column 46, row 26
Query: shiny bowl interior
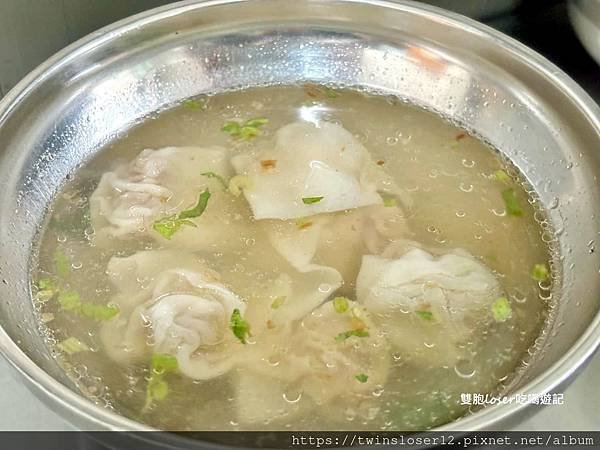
column 64, row 111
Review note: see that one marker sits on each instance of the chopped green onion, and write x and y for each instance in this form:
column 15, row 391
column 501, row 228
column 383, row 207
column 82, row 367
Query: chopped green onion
column 340, row 304
column 63, row 266
column 390, row 202
column 46, row 289
column 163, row 363
column 157, row 388
column 216, row 176
column 193, row 104
column 231, row 127
column 246, row 130
column 239, row 183
column 540, row 272
column 347, row 334
column 70, row 301
column 258, row 122
column 278, row 302
column 45, row 284
column 99, row 313
column 168, row 226
column 329, row 92
column 239, row 326
column 361, row 377
column 501, row 309
column 311, row 200
column 425, row 315
column 502, row 176
column 247, row 133
column 512, row 204
column 197, row 210
column 72, row 345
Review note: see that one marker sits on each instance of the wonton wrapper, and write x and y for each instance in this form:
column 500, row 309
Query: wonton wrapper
column 305, row 161
column 160, row 183
column 455, row 288
column 337, row 240
column 190, row 285
column 306, row 358
column 184, row 311
column 300, row 292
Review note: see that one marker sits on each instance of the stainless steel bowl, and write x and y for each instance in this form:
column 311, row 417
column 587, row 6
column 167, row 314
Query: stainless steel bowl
column 65, row 110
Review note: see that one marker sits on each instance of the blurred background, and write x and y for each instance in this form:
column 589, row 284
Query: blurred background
column 565, row 31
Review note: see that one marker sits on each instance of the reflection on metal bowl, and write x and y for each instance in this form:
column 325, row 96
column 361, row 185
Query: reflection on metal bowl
column 61, row 113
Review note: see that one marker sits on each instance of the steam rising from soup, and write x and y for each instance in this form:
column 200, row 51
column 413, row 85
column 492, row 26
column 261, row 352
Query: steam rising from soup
column 293, row 258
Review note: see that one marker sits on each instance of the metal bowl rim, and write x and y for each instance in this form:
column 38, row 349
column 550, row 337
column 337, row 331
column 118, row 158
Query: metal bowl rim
column 548, row 381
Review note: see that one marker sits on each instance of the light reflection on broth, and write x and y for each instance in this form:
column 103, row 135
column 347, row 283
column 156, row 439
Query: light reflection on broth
column 402, row 276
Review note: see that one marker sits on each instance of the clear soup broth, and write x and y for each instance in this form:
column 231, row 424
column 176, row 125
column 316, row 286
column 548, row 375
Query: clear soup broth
column 290, row 258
